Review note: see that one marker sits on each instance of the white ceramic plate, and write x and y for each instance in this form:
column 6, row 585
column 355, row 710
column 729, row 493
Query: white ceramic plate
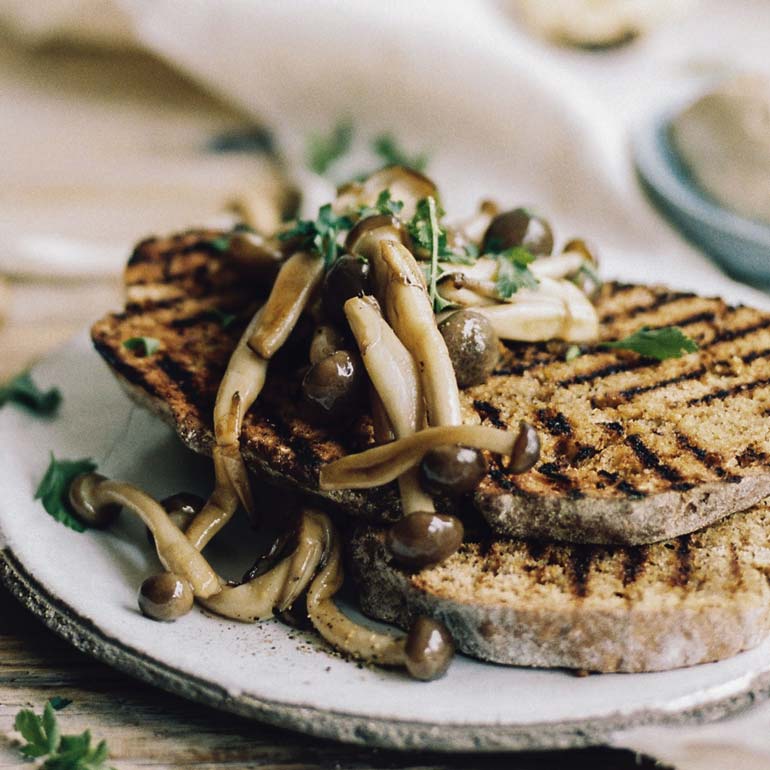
column 84, row 587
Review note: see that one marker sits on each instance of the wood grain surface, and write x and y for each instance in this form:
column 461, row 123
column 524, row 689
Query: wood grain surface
column 148, row 728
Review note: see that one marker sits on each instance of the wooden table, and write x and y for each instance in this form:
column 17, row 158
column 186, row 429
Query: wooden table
column 148, row 728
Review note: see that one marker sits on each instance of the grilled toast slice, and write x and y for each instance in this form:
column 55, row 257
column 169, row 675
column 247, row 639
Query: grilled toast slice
column 694, row 599
column 633, row 450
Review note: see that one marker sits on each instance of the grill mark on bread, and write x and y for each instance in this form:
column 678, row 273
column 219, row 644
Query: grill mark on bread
column 616, row 367
column 133, row 374
column 735, row 390
column 710, row 460
column 185, row 380
column 580, row 559
column 750, row 456
column 634, row 564
column 664, row 298
column 553, row 473
column 555, row 422
column 637, row 390
column 683, row 564
column 689, row 320
column 489, row 412
column 729, row 335
column 650, row 460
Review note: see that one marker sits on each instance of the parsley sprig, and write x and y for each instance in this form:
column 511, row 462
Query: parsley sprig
column 319, row 235
column 61, row 752
column 323, row 150
column 667, row 342
column 388, row 150
column 383, row 205
column 142, row 346
column 53, row 490
column 22, row 390
column 513, row 272
column 428, row 234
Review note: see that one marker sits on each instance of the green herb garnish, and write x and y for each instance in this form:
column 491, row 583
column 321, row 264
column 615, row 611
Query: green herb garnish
column 53, row 490
column 513, row 272
column 58, row 703
column 22, row 390
column 387, row 148
column 431, row 236
column 573, row 352
column 668, row 342
column 319, row 235
column 61, row 752
column 142, row 346
column 384, row 205
column 225, row 320
column 323, row 150
column 220, row 243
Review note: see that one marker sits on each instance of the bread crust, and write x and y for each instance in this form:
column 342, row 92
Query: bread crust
column 693, row 600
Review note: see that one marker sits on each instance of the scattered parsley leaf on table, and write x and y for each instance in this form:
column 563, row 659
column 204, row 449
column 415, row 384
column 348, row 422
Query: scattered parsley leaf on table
column 53, row 490
column 513, row 272
column 61, row 752
column 668, row 342
column 142, row 346
column 22, row 390
column 389, row 151
column 322, row 151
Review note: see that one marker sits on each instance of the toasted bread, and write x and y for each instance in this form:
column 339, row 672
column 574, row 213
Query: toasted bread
column 698, row 598
column 633, row 450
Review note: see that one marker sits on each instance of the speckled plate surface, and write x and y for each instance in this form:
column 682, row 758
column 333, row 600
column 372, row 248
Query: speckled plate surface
column 83, row 586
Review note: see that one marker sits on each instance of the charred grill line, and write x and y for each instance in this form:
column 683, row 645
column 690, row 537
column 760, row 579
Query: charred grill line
column 710, row 460
column 723, row 393
column 638, row 390
column 729, row 335
column 683, row 566
column 579, row 568
column 665, row 298
column 501, row 479
column 490, row 412
column 650, row 460
column 629, row 489
column 185, row 380
column 605, row 371
column 551, row 471
column 133, row 374
column 634, row 563
column 554, row 422
column 690, row 320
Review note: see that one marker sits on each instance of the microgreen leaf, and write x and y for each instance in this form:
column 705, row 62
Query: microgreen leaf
column 221, row 243
column 513, row 272
column 53, row 490
column 384, row 205
column 22, row 390
column 426, row 230
column 323, row 150
column 319, row 235
column 667, row 342
column 142, row 346
column 389, row 151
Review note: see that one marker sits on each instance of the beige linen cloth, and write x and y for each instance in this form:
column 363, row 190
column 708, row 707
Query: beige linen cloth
column 107, row 106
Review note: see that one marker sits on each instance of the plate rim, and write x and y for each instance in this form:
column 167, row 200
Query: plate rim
column 87, row 637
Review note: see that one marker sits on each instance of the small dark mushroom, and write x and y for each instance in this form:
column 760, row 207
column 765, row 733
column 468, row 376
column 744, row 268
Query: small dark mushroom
column 424, row 538
column 473, row 346
column 518, row 227
column 332, row 388
column 526, row 449
column 452, row 470
column 350, row 276
column 165, row 597
column 429, row 649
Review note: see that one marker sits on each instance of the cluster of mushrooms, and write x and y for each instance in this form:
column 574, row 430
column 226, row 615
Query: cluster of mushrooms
column 378, row 337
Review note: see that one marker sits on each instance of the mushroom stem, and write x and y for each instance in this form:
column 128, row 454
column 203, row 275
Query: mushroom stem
column 409, row 311
column 175, row 551
column 298, row 278
column 393, row 375
column 382, row 464
column 338, row 629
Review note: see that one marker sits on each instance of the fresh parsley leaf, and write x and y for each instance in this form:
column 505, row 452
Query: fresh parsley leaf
column 221, row 243
column 62, row 752
column 225, row 319
column 513, row 272
column 53, row 490
column 573, row 352
column 388, row 149
column 58, row 703
column 319, row 235
column 323, row 151
column 142, row 346
column 668, row 342
column 384, row 205
column 22, row 390
column 471, row 251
